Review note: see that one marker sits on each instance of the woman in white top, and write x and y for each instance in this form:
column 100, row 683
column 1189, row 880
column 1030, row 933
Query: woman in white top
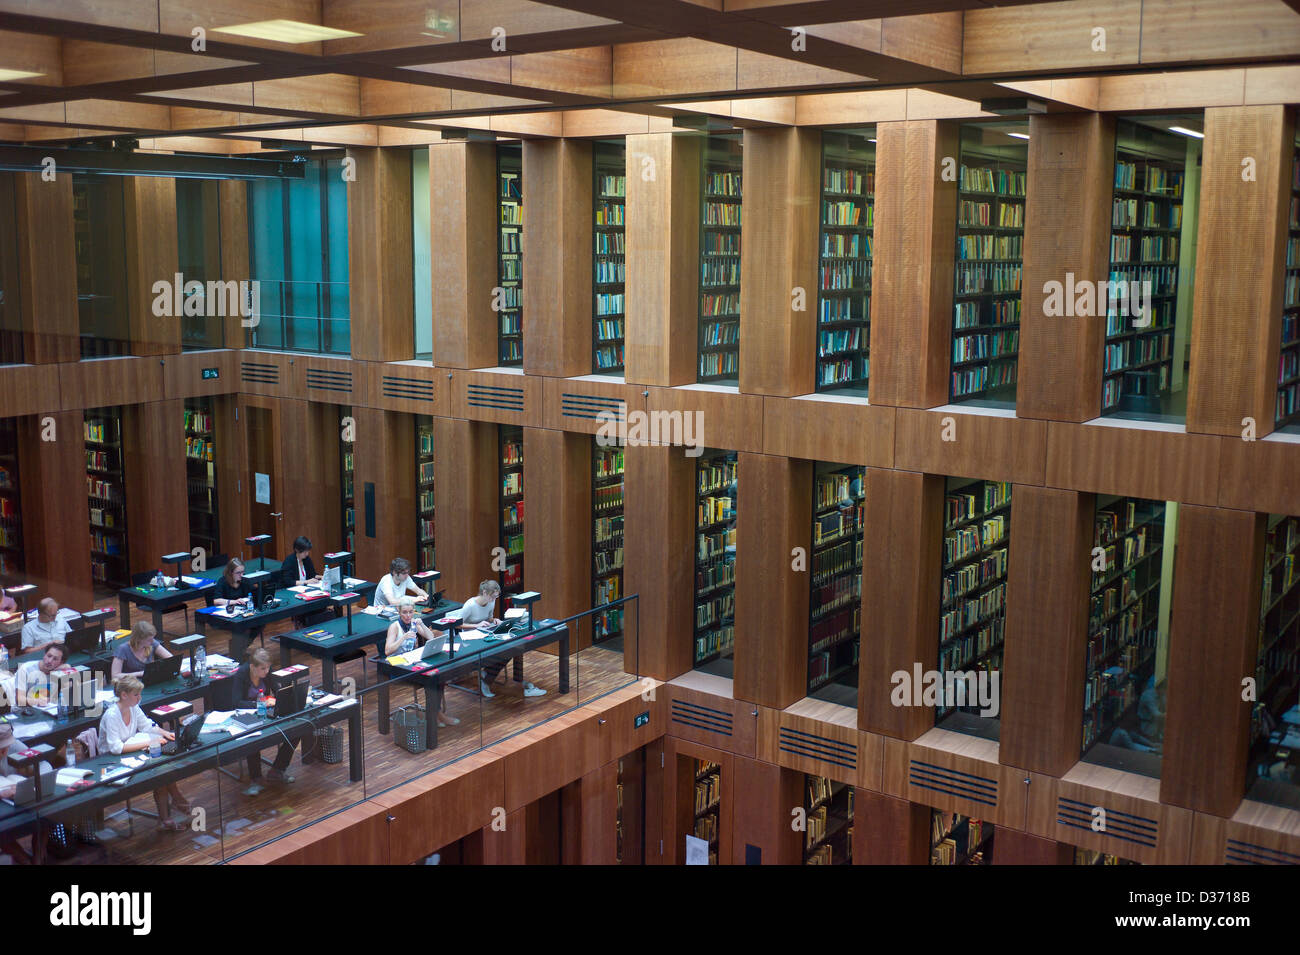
column 396, row 584
column 119, row 728
column 402, row 634
column 480, row 611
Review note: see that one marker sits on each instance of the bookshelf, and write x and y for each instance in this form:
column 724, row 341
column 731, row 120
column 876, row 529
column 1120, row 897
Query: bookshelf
column 511, row 442
column 606, row 538
column 11, row 506
column 844, row 273
column 959, row 840
column 609, row 161
column 972, row 601
column 347, row 496
column 719, row 345
column 990, row 240
column 1146, row 228
column 1123, row 614
column 99, row 238
column 1287, row 413
column 1093, row 857
column 708, row 798
column 715, row 560
column 1277, row 668
column 835, row 572
column 510, row 259
column 106, row 493
column 828, row 836
column 201, row 475
column 425, row 559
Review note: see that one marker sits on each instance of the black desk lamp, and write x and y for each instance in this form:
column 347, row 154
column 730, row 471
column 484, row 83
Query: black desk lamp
column 191, row 645
column 258, row 540
column 177, row 558
column 346, row 600
column 451, row 625
column 526, row 600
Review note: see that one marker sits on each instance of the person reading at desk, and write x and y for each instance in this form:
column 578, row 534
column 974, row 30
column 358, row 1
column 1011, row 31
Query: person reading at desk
column 125, row 729
column 143, row 646
column 34, row 682
column 298, row 567
column 396, row 584
column 250, row 686
column 232, row 590
column 480, row 612
column 46, row 629
column 403, row 634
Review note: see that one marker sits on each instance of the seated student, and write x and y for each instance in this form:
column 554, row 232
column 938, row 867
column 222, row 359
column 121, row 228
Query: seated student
column 125, row 729
column 34, row 682
column 232, row 589
column 142, row 647
column 46, row 629
column 250, row 683
column 1151, row 712
column 396, row 584
column 9, row 780
column 403, row 631
column 298, row 567
column 478, row 611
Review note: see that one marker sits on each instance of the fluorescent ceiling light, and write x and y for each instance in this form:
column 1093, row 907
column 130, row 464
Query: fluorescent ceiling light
column 7, row 75
column 1019, row 135
column 285, row 31
column 1186, row 132
column 871, row 140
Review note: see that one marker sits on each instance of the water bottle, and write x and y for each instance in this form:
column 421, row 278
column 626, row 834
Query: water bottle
column 160, row 581
column 409, row 643
column 200, row 664
column 72, row 757
column 4, row 658
column 261, row 705
column 62, row 711
column 155, row 746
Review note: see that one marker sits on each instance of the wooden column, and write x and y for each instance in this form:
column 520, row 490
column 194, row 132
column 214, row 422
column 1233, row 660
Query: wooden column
column 231, row 471
column 233, row 206
column 385, row 457
column 889, row 831
column 557, row 520
column 505, row 846
column 47, row 266
column 765, row 795
column 381, row 287
column 55, row 512
column 466, row 494
column 663, row 258
column 1048, row 581
column 599, row 815
column 149, row 208
column 463, row 248
column 157, row 505
column 771, row 595
column 570, row 818
column 557, row 257
column 1240, row 266
column 308, row 489
column 1213, row 643
column 914, row 246
column 1071, row 174
column 1012, row 847
column 778, row 345
column 659, row 560
column 901, row 561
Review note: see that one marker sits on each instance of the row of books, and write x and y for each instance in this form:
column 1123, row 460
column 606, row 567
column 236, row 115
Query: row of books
column 722, row 213
column 512, row 483
column 1137, row 351
column 608, row 561
column 613, row 186
column 9, row 536
column 970, row 214
column 847, row 212
column 609, row 329
column 106, row 543
column 512, row 514
column 722, row 184
column 514, row 544
column 104, row 517
column 510, row 242
column 995, row 345
column 720, row 272
column 609, row 243
column 969, row 381
column 973, row 576
column 842, row 245
column 715, row 475
column 842, row 371
column 973, row 278
column 1151, row 248
column 984, row 246
column 609, row 303
column 6, row 477
column 840, row 592
column 608, row 622
column 712, row 305
column 838, row 558
column 7, row 508
column 610, row 272
column 608, row 529
column 835, row 629
column 971, row 314
column 103, row 490
column 720, row 243
column 424, row 471
column 511, row 185
column 713, row 510
column 609, row 462
column 198, row 422
column 101, row 432
column 609, row 357
column 965, row 505
column 1128, row 214
column 608, row 590
column 607, row 498
column 199, row 449
column 425, row 527
column 609, row 213
column 841, row 341
column 837, row 489
column 847, row 179
column 1161, row 315
column 847, row 274
column 848, row 308
column 709, row 577
column 971, row 612
column 717, row 608
column 1007, row 182
column 1163, row 279
column 715, row 544
column 978, row 650
column 102, row 460
column 714, row 641
column 1154, row 179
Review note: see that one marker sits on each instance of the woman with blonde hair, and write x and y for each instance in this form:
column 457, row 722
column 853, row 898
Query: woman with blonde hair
column 143, row 646
column 125, row 729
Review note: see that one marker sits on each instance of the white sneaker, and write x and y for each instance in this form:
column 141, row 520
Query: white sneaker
column 530, row 690
column 483, row 688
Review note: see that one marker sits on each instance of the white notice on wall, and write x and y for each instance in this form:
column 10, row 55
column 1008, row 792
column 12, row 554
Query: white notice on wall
column 697, row 851
column 262, row 487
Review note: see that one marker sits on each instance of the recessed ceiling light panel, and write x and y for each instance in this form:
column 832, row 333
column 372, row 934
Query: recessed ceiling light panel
column 285, row 31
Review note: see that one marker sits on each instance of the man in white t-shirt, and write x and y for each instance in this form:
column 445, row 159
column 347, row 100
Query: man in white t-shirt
column 34, row 684
column 396, row 584
column 47, row 628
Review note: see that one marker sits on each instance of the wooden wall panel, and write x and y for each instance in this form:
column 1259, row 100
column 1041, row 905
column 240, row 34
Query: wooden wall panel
column 889, row 831
column 771, row 654
column 28, row 389
column 960, row 773
column 1261, row 833
column 1260, row 475
column 233, row 211
column 152, row 254
column 557, row 257
column 232, row 476
column 307, row 489
column 1070, row 180
column 1152, row 833
column 1051, row 37
column 698, row 716
column 504, row 396
column 442, row 807
column 711, row 417
column 557, row 486
column 183, row 373
column 381, row 288
column 599, row 818
column 56, row 519
column 779, row 229
column 663, row 251
column 915, row 242
column 588, row 404
column 463, row 200
column 265, row 372
column 385, row 457
column 413, row 386
column 1236, row 326
column 1048, row 579
column 765, row 796
column 813, row 427
column 1142, row 461
column 991, row 446
column 506, row 845
column 466, row 493
column 157, row 504
column 104, row 382
column 543, row 760
column 339, row 381
column 1213, row 642
column 47, row 268
column 1012, row 847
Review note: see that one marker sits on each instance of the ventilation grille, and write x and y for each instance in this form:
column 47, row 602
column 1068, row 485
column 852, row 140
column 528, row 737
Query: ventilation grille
column 1119, row 825
column 978, row 789
column 821, row 748
column 590, row 407
column 415, row 389
column 701, row 717
column 495, row 396
column 1247, row 853
column 259, row 373
column 323, row 379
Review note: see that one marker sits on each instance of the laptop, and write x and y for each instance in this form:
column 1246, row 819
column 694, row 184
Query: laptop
column 191, row 727
column 291, row 698
column 25, row 791
column 84, row 640
column 160, row 671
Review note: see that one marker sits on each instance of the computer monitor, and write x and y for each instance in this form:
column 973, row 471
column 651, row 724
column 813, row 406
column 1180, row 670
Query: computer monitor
column 332, row 579
column 291, row 698
column 160, row 671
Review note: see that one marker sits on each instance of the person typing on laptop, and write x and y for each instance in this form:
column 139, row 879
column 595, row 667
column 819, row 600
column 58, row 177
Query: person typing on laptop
column 125, row 729
column 141, row 648
column 46, row 629
column 250, row 686
column 232, row 590
column 480, row 612
column 402, row 638
column 396, row 584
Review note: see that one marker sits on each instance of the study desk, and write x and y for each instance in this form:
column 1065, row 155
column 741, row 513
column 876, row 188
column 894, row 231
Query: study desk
column 336, row 642
column 245, row 629
column 160, row 600
column 434, row 672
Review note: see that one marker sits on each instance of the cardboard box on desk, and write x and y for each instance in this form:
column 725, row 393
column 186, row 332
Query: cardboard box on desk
column 11, row 623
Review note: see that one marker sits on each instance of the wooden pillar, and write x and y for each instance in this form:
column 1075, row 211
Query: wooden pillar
column 232, row 471
column 1071, row 175
column 778, row 345
column 55, row 512
column 557, row 257
column 504, row 846
column 47, row 266
column 1213, row 643
column 765, row 795
column 233, row 210
column 557, row 476
column 1240, row 267
column 659, row 560
column 1012, row 847
column 570, row 819
column 466, row 494
column 385, row 458
column 149, row 208
column 157, row 505
column 663, row 258
column 308, row 488
column 381, row 289
column 463, row 247
column 1048, row 588
column 914, row 247
column 771, row 660
column 599, row 815
column 901, row 561
column 889, row 831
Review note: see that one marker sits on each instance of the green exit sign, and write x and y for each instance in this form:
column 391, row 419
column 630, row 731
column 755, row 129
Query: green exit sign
column 641, row 720
column 211, row 373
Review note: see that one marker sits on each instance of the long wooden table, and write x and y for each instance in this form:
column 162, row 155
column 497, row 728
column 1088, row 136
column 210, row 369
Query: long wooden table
column 244, row 628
